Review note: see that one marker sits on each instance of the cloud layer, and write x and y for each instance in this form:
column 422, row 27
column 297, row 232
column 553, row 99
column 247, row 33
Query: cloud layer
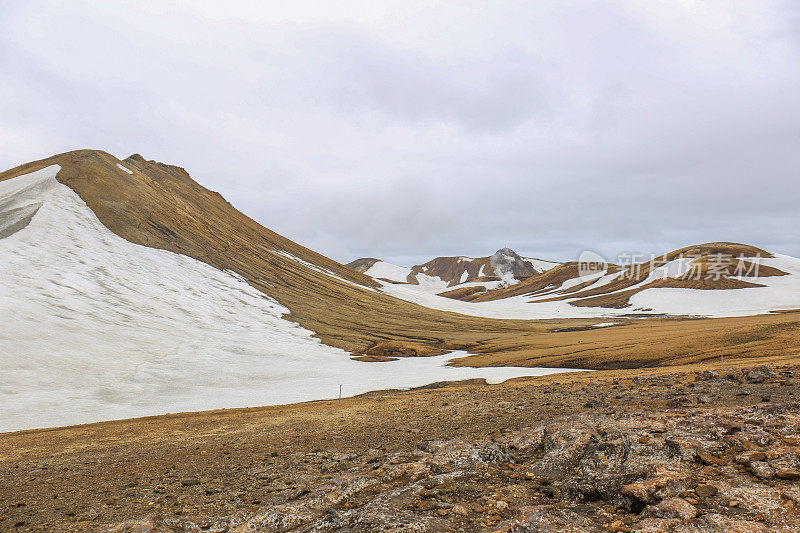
column 413, row 129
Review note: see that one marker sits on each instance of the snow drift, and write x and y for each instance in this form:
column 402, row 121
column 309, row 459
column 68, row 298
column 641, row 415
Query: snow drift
column 94, row 327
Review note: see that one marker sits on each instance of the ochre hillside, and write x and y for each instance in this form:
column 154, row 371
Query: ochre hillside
column 160, row 206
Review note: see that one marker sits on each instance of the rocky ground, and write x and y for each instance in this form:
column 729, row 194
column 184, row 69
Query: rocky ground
column 663, row 450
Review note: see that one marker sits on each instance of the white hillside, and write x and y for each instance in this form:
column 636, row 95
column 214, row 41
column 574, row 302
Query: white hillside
column 384, row 270
column 779, row 293
column 542, row 265
column 93, row 327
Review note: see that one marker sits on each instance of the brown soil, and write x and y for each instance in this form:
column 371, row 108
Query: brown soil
column 651, row 342
column 234, row 462
column 463, row 293
column 363, row 264
column 451, row 269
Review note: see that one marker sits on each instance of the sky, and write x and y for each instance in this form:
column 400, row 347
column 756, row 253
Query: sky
column 409, row 130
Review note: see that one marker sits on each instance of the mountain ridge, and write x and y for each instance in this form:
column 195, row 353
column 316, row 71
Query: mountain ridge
column 159, row 206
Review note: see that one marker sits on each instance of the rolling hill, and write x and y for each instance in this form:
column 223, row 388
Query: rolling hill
column 130, row 289
column 711, row 280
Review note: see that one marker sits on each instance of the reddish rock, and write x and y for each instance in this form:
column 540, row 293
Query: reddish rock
column 671, row 508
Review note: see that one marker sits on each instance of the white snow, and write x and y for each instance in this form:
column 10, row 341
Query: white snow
column 124, row 168
column 318, row 268
column 429, row 283
column 516, row 307
column 385, row 270
column 486, row 284
column 464, row 276
column 604, row 324
column 780, row 292
column 93, row 327
column 541, row 265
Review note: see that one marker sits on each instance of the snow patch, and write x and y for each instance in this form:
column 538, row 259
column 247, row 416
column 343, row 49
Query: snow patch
column 93, row 327
column 382, row 269
column 124, row 168
column 780, row 292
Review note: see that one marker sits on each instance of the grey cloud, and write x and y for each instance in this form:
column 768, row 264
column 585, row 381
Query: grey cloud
column 427, row 129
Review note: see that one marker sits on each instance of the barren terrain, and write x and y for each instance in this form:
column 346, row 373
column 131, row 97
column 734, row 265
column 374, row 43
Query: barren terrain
column 660, row 438
column 407, row 459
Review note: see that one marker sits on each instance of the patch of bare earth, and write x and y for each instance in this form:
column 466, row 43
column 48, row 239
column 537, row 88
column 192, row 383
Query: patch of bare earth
column 670, row 449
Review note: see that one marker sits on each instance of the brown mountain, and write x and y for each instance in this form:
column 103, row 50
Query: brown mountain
column 160, row 206
column 505, row 265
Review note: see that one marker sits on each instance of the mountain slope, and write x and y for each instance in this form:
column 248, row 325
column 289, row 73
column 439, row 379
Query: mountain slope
column 159, row 206
column 232, row 298
column 505, row 266
column 706, row 270
column 713, row 279
column 95, row 327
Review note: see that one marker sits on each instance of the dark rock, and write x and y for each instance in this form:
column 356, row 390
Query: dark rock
column 759, row 374
column 705, row 491
column 678, row 401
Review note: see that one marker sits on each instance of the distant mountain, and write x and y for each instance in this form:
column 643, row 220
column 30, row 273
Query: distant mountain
column 700, row 280
column 504, row 266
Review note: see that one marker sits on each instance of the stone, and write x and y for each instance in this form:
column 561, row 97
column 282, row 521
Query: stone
column 787, row 472
column 424, row 505
column 671, row 508
column 748, row 457
column 678, row 401
column 665, row 481
column 616, row 526
column 546, row 518
column 759, row 374
column 460, row 510
column 656, row 525
column 705, row 491
column 762, row 470
column 710, row 459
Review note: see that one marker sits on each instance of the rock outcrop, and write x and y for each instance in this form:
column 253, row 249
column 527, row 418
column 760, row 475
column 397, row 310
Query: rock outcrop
column 695, row 470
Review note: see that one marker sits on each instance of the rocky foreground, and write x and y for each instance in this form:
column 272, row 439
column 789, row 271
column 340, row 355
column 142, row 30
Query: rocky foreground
column 687, row 468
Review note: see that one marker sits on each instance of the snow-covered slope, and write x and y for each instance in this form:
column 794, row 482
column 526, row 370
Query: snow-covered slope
column 93, row 327
column 779, row 293
column 711, row 280
column 657, row 292
column 384, row 270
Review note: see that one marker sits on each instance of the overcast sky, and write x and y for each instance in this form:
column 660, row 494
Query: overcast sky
column 412, row 129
